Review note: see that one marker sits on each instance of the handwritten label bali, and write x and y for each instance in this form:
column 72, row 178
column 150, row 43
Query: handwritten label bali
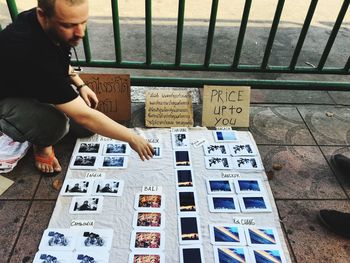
column 168, row 108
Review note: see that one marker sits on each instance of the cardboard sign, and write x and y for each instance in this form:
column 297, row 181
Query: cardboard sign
column 113, row 93
column 226, row 106
column 168, row 108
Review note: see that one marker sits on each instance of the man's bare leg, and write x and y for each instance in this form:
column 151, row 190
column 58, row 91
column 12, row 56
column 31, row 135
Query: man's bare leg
column 46, row 153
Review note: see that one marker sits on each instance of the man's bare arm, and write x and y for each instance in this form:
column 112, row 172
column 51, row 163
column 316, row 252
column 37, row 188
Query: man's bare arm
column 103, row 125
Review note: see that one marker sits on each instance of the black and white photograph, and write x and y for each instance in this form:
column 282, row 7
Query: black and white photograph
column 76, row 187
column 108, row 187
column 80, row 161
column 180, row 140
column 89, row 147
column 191, row 254
column 247, row 163
column 267, row 254
column 242, row 149
column 157, row 151
column 225, row 136
column 215, row 149
column 189, row 230
column 116, row 149
column 95, row 239
column 90, row 256
column 86, row 205
column 217, row 163
column 114, row 162
column 58, row 239
column 254, row 203
column 223, row 204
column 227, row 234
column 48, row 256
column 248, row 185
column 219, row 186
column 182, row 159
column 186, row 202
column 184, row 178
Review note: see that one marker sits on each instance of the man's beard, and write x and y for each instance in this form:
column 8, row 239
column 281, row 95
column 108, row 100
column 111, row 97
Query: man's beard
column 59, row 41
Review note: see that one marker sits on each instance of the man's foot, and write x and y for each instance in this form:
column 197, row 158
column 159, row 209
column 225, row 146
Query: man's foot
column 45, row 160
column 336, row 221
column 341, row 163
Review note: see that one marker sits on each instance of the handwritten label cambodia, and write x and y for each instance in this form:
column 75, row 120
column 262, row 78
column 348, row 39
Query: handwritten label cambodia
column 244, row 221
column 113, row 93
column 168, row 108
column 82, row 223
column 226, row 106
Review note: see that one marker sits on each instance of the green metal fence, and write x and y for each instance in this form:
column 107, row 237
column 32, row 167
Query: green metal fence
column 235, row 66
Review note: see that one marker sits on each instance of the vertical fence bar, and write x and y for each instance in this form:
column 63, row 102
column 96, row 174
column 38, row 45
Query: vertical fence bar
column 11, row 4
column 241, row 34
column 347, row 65
column 180, row 30
column 148, row 7
column 86, row 44
column 303, row 33
column 214, row 11
column 272, row 35
column 116, row 32
column 333, row 35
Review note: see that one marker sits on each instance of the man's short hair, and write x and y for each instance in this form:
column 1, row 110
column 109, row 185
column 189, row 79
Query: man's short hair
column 48, row 6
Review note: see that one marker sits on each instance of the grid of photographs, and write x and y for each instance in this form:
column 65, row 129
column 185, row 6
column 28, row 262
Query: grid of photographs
column 70, row 245
column 100, row 155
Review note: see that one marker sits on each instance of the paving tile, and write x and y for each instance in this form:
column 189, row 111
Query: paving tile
column 290, row 96
column 33, row 228
column 278, row 125
column 328, row 130
column 25, row 177
column 305, row 173
column 310, row 241
column 340, row 97
column 344, row 178
column 12, row 215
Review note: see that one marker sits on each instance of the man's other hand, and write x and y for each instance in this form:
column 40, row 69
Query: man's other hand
column 89, row 97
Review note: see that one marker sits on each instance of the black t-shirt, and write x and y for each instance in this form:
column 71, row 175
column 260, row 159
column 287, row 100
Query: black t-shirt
column 31, row 65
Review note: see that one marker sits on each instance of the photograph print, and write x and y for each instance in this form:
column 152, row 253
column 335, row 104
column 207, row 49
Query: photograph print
column 225, row 136
column 58, row 239
column 147, row 219
column 266, row 254
column 242, row 150
column 149, row 201
column 246, row 163
column 186, row 202
column 97, row 239
column 157, row 153
column 247, row 185
column 223, row 204
column 254, row 203
column 216, row 149
column 86, row 205
column 229, row 254
column 114, row 162
column 180, row 140
column 189, row 230
column 90, row 256
column 184, row 178
column 147, row 240
column 116, row 149
column 109, row 187
column 80, row 161
column 182, row 158
column 88, row 147
column 191, row 254
column 221, row 186
column 146, row 257
column 76, row 187
column 226, row 234
column 261, row 236
column 217, row 163
column 53, row 256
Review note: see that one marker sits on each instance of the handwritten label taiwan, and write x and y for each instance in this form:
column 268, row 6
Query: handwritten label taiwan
column 113, row 93
column 168, row 108
column 226, row 106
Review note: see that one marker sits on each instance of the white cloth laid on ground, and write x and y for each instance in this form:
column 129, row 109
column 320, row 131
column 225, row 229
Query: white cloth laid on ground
column 11, row 152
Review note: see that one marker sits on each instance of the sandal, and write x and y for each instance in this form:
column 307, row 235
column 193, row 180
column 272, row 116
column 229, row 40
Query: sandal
column 46, row 160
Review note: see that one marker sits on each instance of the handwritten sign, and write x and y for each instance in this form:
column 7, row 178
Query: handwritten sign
column 113, row 93
column 168, row 108
column 226, row 106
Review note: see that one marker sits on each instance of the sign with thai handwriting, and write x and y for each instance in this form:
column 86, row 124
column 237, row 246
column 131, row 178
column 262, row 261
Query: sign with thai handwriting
column 169, row 108
column 113, row 93
column 226, row 106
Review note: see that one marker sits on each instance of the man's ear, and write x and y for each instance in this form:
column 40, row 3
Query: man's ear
column 41, row 15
